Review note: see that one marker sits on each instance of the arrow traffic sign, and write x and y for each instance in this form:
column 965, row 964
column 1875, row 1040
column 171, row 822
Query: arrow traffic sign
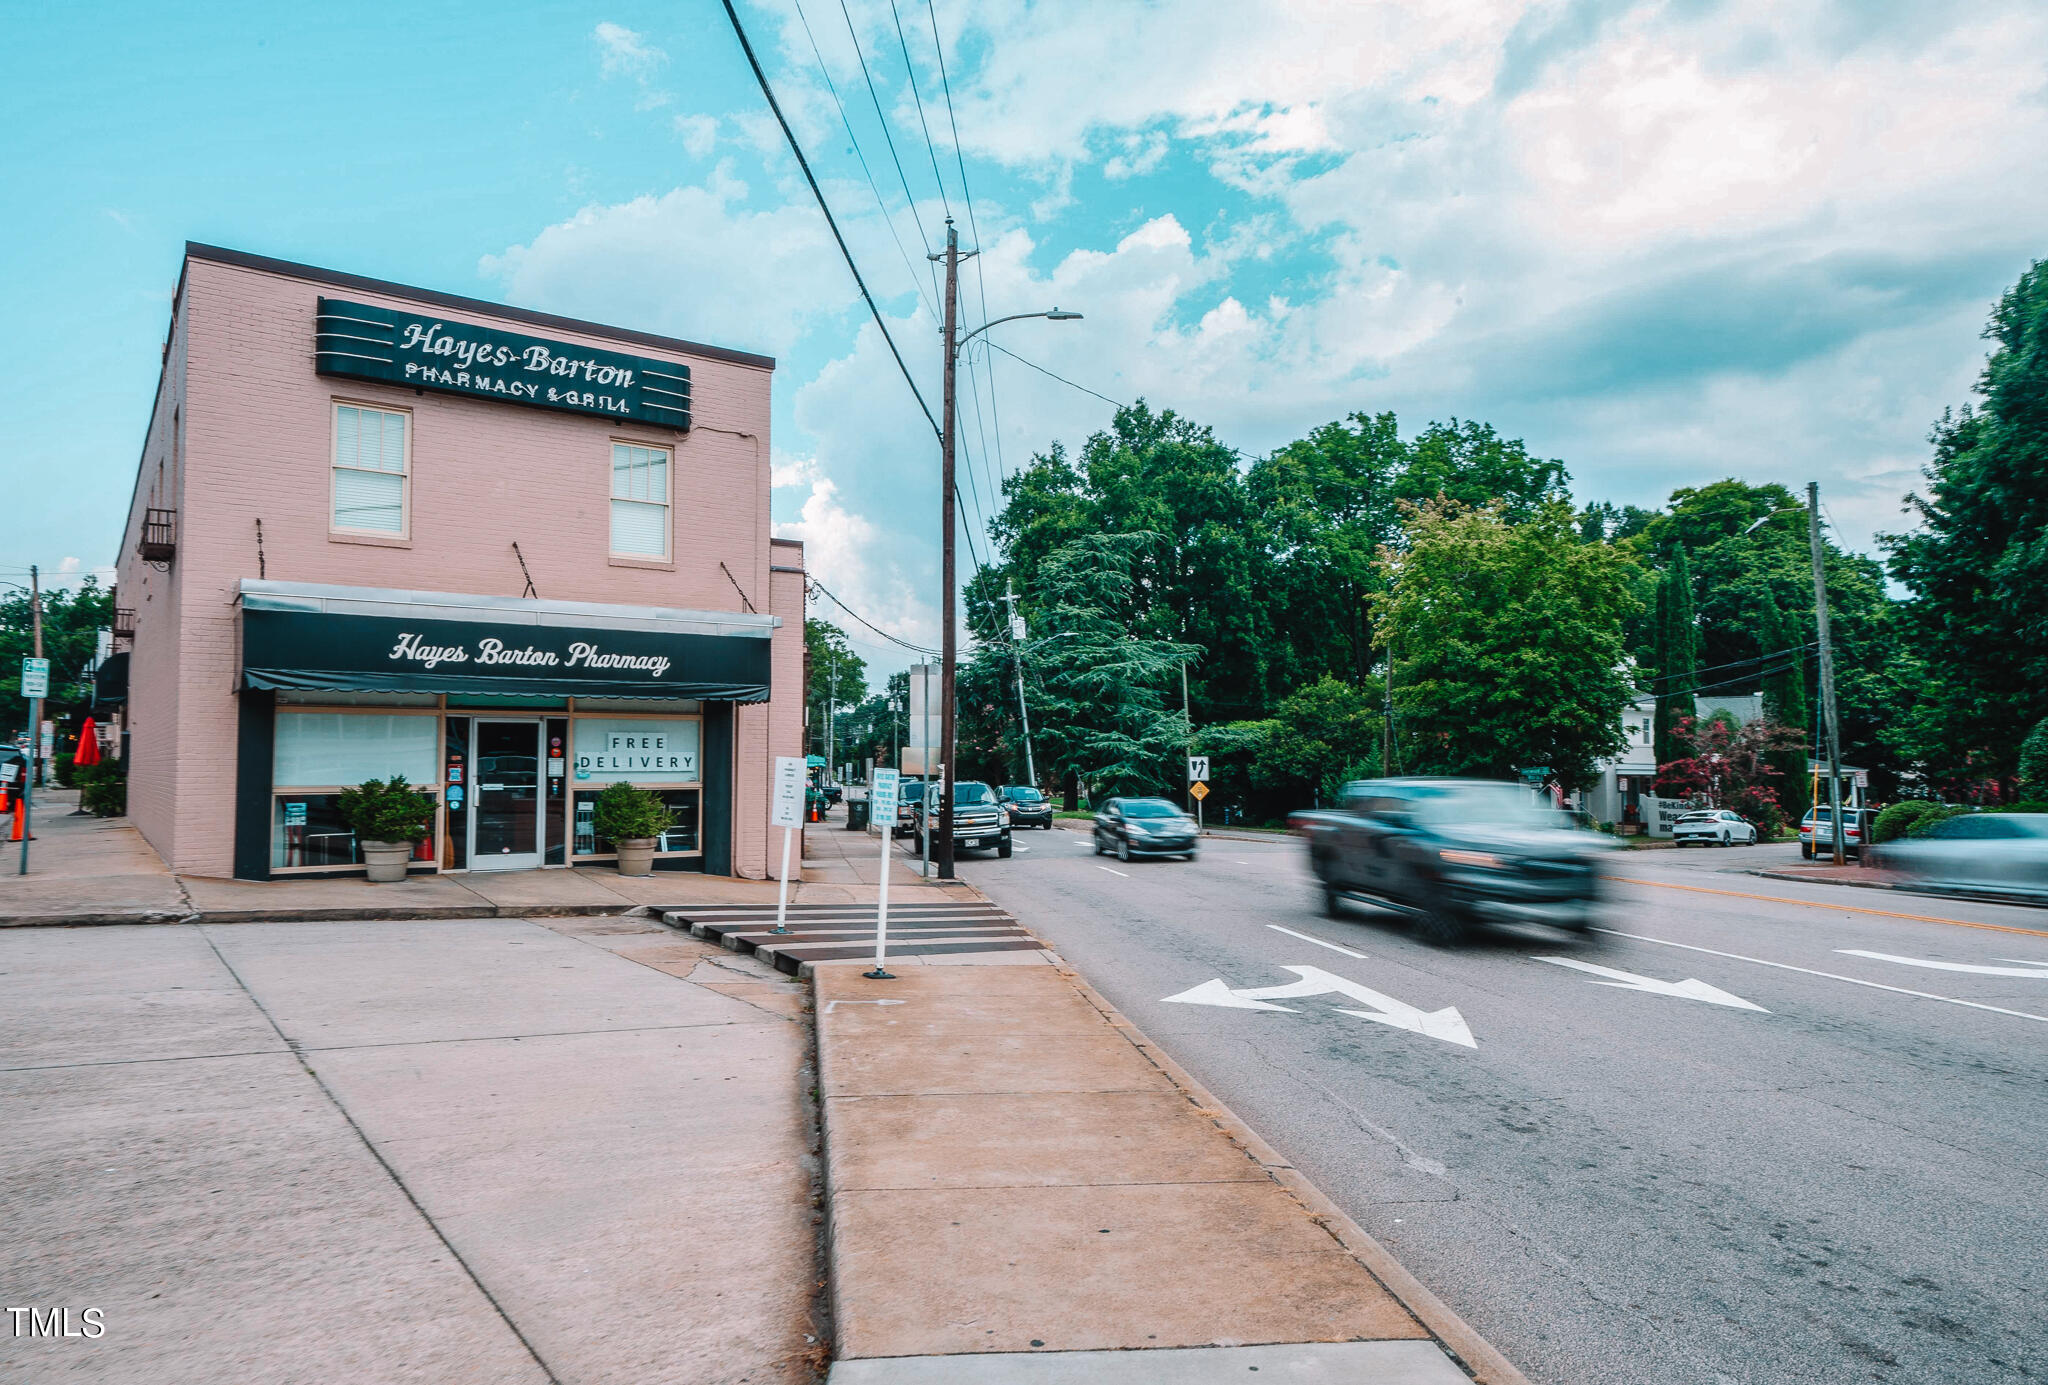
column 2037, row 970
column 1687, row 989
column 1446, row 1024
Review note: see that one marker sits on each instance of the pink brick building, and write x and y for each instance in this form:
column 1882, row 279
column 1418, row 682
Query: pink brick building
column 513, row 557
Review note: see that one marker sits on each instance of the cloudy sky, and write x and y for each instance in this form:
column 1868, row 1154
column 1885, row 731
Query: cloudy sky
column 1664, row 242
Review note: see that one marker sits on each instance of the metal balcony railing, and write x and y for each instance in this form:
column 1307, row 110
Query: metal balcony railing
column 159, row 536
column 124, row 623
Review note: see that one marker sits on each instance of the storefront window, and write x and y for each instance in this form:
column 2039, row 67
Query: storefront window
column 333, row 749
column 683, row 837
column 307, row 830
column 640, row 750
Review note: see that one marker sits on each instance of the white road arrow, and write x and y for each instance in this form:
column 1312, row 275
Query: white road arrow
column 2037, row 970
column 1687, row 989
column 1446, row 1024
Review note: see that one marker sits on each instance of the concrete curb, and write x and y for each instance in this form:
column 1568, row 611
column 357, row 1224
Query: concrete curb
column 1453, row 1333
column 2016, row 901
column 308, row 915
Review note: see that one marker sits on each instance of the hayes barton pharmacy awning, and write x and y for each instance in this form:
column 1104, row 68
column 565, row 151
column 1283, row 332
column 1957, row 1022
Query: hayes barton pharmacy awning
column 304, row 637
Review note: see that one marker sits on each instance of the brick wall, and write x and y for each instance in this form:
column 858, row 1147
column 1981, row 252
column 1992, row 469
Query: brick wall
column 258, row 446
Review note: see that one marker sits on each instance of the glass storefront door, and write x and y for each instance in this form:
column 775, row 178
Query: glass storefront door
column 506, row 817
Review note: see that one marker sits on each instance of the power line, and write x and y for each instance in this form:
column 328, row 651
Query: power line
column 910, row 71
column 823, row 206
column 876, row 97
column 873, row 186
column 1733, row 663
column 825, row 591
column 1061, row 378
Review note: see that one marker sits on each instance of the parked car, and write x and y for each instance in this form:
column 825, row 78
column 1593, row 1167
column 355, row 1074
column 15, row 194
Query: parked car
column 1452, row 853
column 909, row 802
column 1817, row 832
column 1027, row 806
column 1144, row 827
column 1713, row 827
column 1976, row 853
column 979, row 822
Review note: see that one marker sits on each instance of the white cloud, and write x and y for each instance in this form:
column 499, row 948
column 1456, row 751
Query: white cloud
column 626, row 53
column 699, row 133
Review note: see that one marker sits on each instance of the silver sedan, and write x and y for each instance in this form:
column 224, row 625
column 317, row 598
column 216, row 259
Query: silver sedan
column 1977, row 853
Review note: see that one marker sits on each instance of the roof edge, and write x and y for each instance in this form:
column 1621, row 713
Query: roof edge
column 290, row 269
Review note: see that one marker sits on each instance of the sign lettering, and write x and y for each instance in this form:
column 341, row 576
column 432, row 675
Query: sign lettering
column 365, row 342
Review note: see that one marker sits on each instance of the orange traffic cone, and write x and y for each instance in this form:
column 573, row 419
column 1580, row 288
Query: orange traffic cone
column 20, row 820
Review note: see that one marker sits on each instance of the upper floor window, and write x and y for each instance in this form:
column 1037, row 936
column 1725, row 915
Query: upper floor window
column 370, row 465
column 639, row 501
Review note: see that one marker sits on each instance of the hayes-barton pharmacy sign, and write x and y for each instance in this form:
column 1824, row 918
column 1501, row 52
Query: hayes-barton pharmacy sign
column 363, row 342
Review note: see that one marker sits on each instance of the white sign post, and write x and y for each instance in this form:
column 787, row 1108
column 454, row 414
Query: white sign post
column 1198, row 771
column 882, row 801
column 786, row 810
column 35, row 686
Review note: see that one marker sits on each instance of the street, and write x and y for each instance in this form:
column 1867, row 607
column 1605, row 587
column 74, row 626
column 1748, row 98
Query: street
column 1792, row 1168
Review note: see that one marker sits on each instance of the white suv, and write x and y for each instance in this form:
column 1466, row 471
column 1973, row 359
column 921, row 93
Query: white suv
column 1714, row 827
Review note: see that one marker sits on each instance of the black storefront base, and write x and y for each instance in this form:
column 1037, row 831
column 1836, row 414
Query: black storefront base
column 718, row 748
column 255, row 749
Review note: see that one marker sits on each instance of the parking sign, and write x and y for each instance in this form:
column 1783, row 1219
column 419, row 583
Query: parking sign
column 35, row 677
column 882, row 797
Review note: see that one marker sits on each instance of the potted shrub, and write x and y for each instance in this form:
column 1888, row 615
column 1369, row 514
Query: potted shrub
column 630, row 819
column 387, row 816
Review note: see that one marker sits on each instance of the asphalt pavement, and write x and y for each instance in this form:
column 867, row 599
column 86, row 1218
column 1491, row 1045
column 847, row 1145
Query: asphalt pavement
column 1747, row 1131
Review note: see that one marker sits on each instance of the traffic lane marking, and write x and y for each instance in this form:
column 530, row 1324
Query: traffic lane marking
column 1114, row 872
column 1445, row 1023
column 1689, row 989
column 2036, row 970
column 1317, row 941
column 1832, row 976
column 1823, row 904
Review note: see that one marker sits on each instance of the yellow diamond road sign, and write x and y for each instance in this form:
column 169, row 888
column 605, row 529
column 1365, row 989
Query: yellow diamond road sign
column 1199, row 790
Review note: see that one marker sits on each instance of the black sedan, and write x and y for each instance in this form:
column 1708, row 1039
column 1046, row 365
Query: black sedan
column 1143, row 827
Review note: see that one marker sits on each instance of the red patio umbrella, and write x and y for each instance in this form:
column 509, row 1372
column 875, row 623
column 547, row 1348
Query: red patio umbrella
column 88, row 745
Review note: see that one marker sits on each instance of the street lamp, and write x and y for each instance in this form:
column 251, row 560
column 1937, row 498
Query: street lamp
column 947, row 644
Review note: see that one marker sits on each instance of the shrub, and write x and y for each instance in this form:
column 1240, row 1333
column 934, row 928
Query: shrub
column 1900, row 819
column 1940, row 813
column 625, row 813
column 103, row 789
column 386, row 810
column 65, row 771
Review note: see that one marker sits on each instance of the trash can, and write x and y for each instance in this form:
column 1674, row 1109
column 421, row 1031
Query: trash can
column 857, row 810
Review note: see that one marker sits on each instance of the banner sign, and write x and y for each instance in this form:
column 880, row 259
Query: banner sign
column 315, row 651
column 399, row 348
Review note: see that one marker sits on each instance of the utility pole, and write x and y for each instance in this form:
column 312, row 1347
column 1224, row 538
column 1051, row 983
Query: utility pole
column 946, row 580
column 1187, row 725
column 1017, row 653
column 1827, row 669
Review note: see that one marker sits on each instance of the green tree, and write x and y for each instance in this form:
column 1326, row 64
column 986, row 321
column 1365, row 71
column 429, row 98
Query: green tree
column 1105, row 690
column 1676, row 652
column 72, row 620
column 834, row 676
column 1978, row 565
column 1506, row 641
column 1785, row 701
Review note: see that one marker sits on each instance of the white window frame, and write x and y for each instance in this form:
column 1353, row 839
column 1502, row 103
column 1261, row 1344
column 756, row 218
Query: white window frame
column 403, row 534
column 667, row 557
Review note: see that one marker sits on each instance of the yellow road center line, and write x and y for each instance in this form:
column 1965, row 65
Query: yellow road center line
column 1823, row 904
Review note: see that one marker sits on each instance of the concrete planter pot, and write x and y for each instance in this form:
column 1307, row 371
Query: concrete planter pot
column 386, row 860
column 636, row 856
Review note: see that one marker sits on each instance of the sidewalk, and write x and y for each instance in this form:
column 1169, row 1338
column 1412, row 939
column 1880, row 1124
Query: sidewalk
column 86, row 870
column 396, row 1153
column 1021, row 1188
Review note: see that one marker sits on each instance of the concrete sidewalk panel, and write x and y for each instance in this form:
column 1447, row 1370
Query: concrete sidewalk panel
column 336, row 984
column 231, row 1227
column 940, row 1271
column 1302, row 1363
column 1016, row 1139
column 880, row 1063
column 648, row 1220
column 125, row 994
